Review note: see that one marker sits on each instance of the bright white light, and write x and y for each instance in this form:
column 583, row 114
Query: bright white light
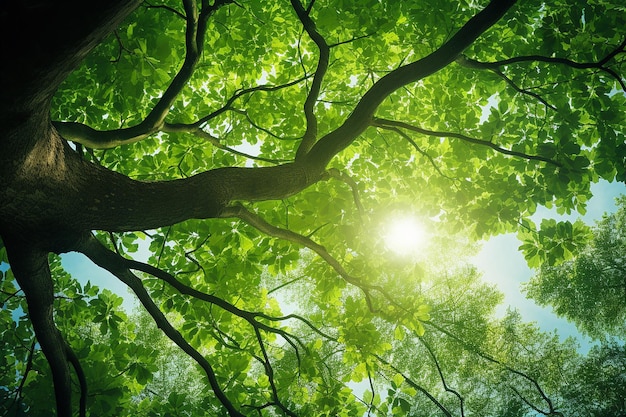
column 404, row 236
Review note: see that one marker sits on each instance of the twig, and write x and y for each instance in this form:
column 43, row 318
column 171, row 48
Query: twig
column 443, row 379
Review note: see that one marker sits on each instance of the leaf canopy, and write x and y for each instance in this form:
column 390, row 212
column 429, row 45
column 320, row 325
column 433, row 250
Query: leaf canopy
column 246, row 155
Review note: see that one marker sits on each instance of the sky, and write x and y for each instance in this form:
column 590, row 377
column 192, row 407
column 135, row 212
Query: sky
column 503, row 265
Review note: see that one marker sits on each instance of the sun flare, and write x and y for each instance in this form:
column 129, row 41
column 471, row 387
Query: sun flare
column 404, row 236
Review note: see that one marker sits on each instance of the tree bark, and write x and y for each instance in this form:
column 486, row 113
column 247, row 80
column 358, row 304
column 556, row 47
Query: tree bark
column 30, row 268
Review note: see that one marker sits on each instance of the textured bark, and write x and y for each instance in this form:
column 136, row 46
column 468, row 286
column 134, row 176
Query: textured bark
column 53, row 191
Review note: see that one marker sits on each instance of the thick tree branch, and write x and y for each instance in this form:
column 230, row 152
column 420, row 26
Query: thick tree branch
column 100, row 199
column 331, row 144
column 30, row 268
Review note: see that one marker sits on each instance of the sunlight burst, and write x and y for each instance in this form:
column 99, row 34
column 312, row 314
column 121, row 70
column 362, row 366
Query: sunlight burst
column 404, row 236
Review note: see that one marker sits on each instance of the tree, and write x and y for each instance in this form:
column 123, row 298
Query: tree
column 600, row 375
column 590, row 289
column 124, row 121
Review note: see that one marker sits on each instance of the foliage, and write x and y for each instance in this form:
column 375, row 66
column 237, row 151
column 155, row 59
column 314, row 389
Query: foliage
column 590, row 289
column 600, row 376
column 233, row 163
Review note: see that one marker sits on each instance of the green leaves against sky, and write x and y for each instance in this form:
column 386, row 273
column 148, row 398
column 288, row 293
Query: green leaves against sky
column 303, row 310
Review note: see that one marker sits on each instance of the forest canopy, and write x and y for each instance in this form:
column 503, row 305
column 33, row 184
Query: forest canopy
column 239, row 165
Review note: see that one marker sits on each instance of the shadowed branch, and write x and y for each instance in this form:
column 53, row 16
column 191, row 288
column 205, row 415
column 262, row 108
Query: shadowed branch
column 121, row 267
column 116, row 264
column 378, row 122
column 310, row 134
column 471, row 348
column 154, row 121
column 31, row 270
column 599, row 65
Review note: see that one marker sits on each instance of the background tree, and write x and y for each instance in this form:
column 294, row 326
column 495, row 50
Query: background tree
column 599, row 375
column 125, row 121
column 590, row 289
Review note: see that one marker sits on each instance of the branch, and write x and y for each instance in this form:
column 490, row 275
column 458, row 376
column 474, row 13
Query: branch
column 98, row 139
column 250, row 317
column 443, row 379
column 29, row 366
column 32, row 273
column 310, row 134
column 528, row 403
column 413, row 384
column 269, row 372
column 354, row 38
column 392, row 123
column 117, row 265
column 261, row 128
column 306, row 322
column 417, row 148
column 161, row 6
column 201, row 133
column 245, row 91
column 121, row 48
column 370, row 406
column 10, row 295
column 523, row 90
column 331, row 144
column 600, row 65
column 491, row 359
column 155, row 120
